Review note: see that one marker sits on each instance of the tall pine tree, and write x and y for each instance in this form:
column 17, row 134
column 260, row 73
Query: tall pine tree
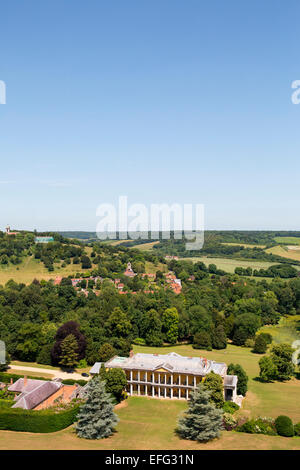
column 202, row 421
column 96, row 418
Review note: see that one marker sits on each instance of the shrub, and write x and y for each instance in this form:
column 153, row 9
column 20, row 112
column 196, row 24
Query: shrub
column 229, row 421
column 17, row 419
column 72, row 382
column 284, row 426
column 139, row 342
column 260, row 345
column 230, row 407
column 297, row 429
column 6, row 403
column 267, row 337
column 258, row 426
column 249, row 343
column 202, row 340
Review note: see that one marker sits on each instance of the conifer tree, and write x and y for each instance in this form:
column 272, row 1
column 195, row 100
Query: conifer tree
column 69, row 354
column 202, row 421
column 96, row 418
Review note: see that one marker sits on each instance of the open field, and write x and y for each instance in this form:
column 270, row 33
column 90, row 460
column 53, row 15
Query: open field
column 285, row 252
column 286, row 331
column 145, row 423
column 145, row 246
column 245, row 245
column 151, row 268
column 263, row 399
column 288, row 240
column 229, row 265
column 33, row 269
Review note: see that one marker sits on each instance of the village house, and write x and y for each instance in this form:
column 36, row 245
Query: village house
column 129, row 271
column 170, row 375
column 32, row 394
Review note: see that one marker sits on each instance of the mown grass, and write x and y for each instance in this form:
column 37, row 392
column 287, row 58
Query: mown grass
column 145, row 423
column 288, row 240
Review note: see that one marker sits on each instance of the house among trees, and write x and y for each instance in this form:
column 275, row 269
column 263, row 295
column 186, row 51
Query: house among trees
column 170, row 375
column 32, row 394
column 8, row 232
column 129, row 271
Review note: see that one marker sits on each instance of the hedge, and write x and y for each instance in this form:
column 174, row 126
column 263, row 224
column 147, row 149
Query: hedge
column 4, row 377
column 72, row 382
column 44, row 421
column 6, row 403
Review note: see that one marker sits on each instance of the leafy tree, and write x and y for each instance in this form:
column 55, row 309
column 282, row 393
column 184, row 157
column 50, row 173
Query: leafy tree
column 118, row 323
column 268, row 370
column 69, row 354
column 242, row 385
column 202, row 340
column 245, row 326
column 115, row 382
column 202, row 421
column 85, row 262
column 106, row 352
column 260, row 345
column 281, row 356
column 96, row 418
column 44, row 356
column 214, row 383
column 170, row 324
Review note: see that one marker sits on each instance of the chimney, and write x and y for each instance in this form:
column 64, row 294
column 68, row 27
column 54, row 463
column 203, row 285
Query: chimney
column 25, row 381
column 131, row 354
column 11, row 381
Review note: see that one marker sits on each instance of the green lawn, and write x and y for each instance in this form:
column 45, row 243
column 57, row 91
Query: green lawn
column 288, row 240
column 145, row 423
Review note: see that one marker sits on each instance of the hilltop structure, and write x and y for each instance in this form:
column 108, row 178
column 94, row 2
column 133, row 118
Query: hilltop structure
column 169, row 375
column 8, row 232
column 129, row 271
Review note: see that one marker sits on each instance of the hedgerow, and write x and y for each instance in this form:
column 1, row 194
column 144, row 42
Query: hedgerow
column 44, row 421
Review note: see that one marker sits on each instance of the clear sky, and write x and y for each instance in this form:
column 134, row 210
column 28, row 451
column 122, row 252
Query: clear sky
column 161, row 100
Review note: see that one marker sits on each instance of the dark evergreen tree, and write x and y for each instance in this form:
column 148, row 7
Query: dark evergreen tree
column 219, row 340
column 202, row 421
column 96, row 418
column 260, row 345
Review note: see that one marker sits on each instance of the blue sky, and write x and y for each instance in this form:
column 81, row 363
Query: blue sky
column 163, row 101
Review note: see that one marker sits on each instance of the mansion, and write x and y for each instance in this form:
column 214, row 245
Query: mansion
column 169, row 375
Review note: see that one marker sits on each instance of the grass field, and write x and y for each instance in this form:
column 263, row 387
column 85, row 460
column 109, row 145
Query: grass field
column 245, row 245
column 146, row 246
column 32, row 374
column 285, row 252
column 145, row 423
column 33, row 269
column 288, row 240
column 229, row 265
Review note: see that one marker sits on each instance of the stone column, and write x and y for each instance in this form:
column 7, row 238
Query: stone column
column 194, row 381
column 179, row 379
column 179, row 393
column 158, row 391
column 139, row 376
column 130, row 389
column 139, row 389
column 165, row 392
column 187, row 393
column 146, row 390
column 171, row 392
column 153, row 390
column 131, row 375
column 159, row 377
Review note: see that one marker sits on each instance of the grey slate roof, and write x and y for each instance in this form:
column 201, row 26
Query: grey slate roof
column 96, row 368
column 172, row 362
column 34, row 393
